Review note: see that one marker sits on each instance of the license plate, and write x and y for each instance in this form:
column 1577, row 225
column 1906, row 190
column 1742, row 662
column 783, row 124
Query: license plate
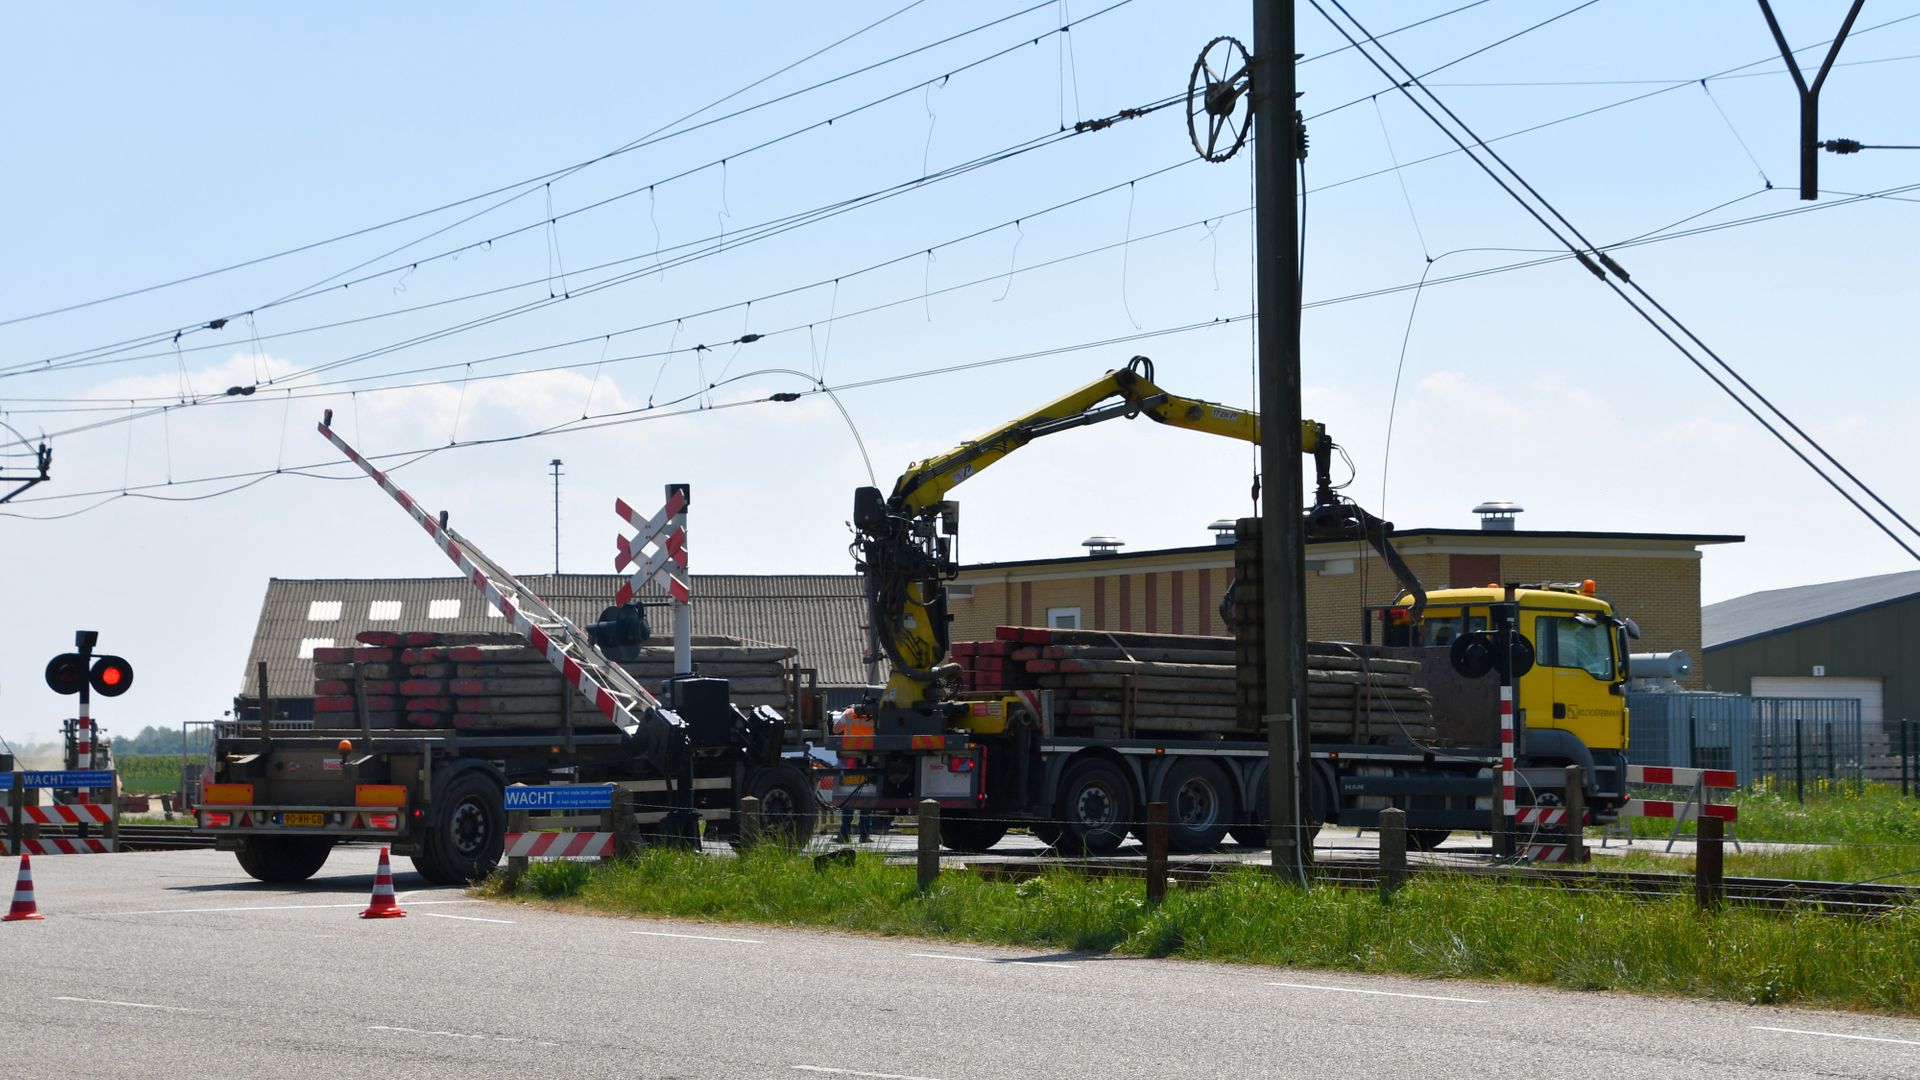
column 303, row 819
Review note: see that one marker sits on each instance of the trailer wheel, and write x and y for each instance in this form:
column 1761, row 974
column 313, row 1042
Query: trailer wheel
column 466, row 834
column 1095, row 808
column 972, row 835
column 1254, row 833
column 283, row 858
column 1046, row 832
column 1200, row 805
column 1426, row 839
column 789, row 811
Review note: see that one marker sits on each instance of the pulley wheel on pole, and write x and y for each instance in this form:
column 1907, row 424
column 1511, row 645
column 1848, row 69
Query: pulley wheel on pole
column 1219, row 88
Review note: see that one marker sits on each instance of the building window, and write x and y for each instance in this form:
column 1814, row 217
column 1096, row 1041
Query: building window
column 1330, row 567
column 959, row 592
column 308, row 644
column 1063, row 618
column 443, row 609
column 383, row 611
column 323, row 611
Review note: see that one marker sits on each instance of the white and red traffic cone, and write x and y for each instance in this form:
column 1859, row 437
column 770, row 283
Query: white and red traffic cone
column 23, row 905
column 384, row 906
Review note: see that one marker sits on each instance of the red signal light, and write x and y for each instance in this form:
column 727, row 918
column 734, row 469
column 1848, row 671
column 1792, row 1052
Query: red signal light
column 111, row 676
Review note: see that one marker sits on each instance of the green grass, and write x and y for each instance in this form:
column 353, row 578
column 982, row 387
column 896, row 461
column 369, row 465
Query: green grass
column 1869, row 833
column 1438, row 927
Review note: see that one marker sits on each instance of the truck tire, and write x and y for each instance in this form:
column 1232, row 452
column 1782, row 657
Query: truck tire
column 1096, row 808
column 1046, row 832
column 971, row 835
column 1254, row 833
column 789, row 812
column 466, row 833
column 1426, row 839
column 283, row 859
column 1200, row 805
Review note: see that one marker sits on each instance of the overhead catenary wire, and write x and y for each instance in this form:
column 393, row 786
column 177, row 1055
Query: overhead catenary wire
column 627, row 416
column 1578, row 245
column 222, row 320
column 532, row 182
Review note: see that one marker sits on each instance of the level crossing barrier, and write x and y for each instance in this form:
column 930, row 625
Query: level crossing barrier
column 23, row 816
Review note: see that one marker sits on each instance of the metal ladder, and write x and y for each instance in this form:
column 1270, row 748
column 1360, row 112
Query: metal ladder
column 612, row 690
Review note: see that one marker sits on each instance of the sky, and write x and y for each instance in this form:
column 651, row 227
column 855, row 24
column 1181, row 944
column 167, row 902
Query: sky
column 491, row 235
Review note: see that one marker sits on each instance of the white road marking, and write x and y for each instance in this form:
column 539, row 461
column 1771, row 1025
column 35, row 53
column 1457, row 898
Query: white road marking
column 458, row 1035
column 1837, row 1035
column 128, row 1004
column 995, row 960
column 264, row 907
column 465, row 918
column 696, row 937
column 1380, row 993
column 857, row 1073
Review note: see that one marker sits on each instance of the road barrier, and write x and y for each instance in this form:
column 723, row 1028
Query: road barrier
column 23, row 820
column 544, row 823
column 1694, row 807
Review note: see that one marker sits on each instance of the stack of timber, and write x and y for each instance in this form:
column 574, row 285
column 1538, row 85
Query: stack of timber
column 496, row 682
column 990, row 665
column 1128, row 683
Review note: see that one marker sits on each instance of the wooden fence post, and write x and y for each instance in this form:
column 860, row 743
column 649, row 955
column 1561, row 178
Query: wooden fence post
column 1576, row 804
column 1156, row 852
column 929, row 843
column 1393, row 851
column 625, row 842
column 516, row 864
column 750, row 821
column 1709, row 865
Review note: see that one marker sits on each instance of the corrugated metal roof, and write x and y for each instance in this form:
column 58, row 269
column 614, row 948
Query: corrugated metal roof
column 1761, row 613
column 820, row 615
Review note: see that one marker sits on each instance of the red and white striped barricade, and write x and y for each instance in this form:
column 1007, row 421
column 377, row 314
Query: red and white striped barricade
column 533, row 811
column 86, row 828
column 1696, row 782
column 1549, row 818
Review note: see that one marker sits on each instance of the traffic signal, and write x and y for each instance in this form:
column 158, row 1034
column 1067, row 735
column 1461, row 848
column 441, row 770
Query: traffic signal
column 111, row 676
column 68, row 673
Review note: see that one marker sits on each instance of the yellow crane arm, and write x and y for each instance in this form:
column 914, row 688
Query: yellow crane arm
column 925, row 484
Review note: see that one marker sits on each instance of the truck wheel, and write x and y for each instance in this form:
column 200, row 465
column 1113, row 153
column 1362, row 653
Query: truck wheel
column 972, row 835
column 283, row 858
column 1046, row 832
column 1200, row 805
column 789, row 812
column 466, row 834
column 1095, row 808
column 1254, row 833
column 1426, row 839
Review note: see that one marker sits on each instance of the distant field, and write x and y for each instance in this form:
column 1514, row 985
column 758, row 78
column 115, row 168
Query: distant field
column 149, row 774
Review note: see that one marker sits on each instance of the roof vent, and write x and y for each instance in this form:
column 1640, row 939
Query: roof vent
column 1102, row 545
column 1224, row 532
column 1497, row 516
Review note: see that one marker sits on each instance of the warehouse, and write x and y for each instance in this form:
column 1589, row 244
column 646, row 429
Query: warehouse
column 820, row 615
column 1846, row 640
column 1653, row 577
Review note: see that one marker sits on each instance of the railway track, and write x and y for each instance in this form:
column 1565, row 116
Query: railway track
column 1860, row 900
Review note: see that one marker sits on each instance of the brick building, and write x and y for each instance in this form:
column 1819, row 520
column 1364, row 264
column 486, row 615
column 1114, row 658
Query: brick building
column 1653, row 577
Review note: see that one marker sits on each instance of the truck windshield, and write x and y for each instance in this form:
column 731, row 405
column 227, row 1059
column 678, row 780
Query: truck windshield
column 1570, row 643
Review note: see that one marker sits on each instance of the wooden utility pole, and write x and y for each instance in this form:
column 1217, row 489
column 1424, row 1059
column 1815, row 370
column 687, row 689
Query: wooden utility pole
column 1277, row 300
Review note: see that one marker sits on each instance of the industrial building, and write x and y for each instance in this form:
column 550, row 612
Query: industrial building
column 1652, row 577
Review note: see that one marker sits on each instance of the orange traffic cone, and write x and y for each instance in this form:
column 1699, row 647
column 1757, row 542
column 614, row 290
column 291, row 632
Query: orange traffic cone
column 384, row 906
column 23, row 905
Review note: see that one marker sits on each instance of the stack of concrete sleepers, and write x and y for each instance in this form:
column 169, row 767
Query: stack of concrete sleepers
column 497, row 682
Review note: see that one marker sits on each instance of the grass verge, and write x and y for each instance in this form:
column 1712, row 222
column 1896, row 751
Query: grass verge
column 1437, row 927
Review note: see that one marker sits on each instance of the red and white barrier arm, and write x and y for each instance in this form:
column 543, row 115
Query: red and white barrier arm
column 1673, row 777
column 569, row 667
column 559, row 845
column 62, row 814
column 1678, row 810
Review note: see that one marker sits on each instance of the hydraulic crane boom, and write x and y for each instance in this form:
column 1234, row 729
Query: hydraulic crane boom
column 904, row 543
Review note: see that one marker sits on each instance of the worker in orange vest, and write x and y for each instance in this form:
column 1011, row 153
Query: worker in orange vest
column 854, row 721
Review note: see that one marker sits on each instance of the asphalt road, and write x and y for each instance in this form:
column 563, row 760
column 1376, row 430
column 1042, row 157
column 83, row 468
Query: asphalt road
column 173, row 964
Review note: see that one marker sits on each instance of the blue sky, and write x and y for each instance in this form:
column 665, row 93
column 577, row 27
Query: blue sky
column 154, row 142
